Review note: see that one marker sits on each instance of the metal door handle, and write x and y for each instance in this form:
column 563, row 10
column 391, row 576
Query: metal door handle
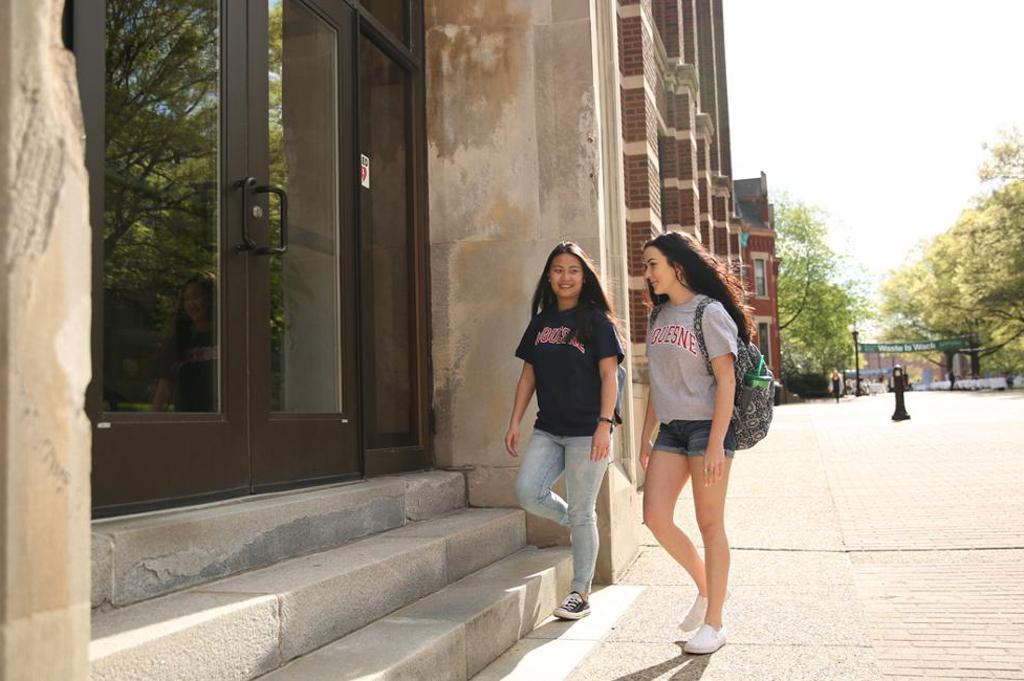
column 283, row 197
column 245, row 184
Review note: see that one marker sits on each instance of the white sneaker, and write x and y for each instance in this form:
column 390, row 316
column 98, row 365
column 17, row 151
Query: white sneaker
column 695, row 617
column 706, row 641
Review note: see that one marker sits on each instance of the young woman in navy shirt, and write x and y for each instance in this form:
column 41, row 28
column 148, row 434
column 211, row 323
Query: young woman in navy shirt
column 570, row 354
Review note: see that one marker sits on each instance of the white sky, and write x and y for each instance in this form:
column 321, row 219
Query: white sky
column 873, row 110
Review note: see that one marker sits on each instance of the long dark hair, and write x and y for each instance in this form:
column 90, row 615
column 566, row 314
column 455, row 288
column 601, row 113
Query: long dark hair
column 592, row 298
column 182, row 330
column 704, row 273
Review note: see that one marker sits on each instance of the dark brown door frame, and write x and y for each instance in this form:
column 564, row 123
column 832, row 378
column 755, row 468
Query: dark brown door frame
column 394, row 457
column 114, row 431
column 322, row 439
column 202, row 452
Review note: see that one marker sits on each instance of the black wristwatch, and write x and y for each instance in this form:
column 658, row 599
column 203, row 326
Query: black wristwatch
column 609, row 421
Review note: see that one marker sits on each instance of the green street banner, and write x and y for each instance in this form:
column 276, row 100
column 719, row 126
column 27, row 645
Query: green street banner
column 944, row 345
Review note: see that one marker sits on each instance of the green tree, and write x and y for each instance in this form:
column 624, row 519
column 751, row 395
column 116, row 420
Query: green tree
column 161, row 180
column 1007, row 158
column 818, row 298
column 970, row 279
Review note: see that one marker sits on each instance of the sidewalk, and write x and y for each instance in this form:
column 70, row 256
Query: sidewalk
column 862, row 549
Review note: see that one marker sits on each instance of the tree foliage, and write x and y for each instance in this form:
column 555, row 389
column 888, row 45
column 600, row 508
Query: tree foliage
column 818, row 299
column 969, row 280
column 1007, row 158
column 161, row 180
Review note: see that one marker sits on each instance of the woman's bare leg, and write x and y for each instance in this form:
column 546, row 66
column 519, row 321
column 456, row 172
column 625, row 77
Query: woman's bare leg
column 709, row 504
column 667, row 473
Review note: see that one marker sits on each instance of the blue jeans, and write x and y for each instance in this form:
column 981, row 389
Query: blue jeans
column 690, row 438
column 546, row 458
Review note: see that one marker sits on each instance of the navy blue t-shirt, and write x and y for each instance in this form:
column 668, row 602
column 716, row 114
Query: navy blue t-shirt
column 568, row 379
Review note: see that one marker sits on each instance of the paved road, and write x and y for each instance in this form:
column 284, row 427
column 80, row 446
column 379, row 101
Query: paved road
column 863, row 549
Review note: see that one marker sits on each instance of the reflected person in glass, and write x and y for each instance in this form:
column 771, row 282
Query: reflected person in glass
column 188, row 359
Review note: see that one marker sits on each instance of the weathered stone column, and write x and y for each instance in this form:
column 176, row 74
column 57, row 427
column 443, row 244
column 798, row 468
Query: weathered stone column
column 523, row 152
column 45, row 313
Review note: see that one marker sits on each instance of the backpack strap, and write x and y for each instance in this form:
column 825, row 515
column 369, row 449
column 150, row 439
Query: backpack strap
column 698, row 319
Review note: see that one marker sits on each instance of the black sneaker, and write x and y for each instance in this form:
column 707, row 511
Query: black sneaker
column 572, row 608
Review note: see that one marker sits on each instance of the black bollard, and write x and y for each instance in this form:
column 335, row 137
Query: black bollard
column 899, row 385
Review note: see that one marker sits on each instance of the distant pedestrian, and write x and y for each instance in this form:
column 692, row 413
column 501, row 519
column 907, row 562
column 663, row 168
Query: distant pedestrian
column 837, row 385
column 694, row 410
column 571, row 354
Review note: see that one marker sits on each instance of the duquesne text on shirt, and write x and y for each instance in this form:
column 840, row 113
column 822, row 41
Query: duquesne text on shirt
column 675, row 334
column 558, row 336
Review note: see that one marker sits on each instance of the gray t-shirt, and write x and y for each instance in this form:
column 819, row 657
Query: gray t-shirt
column 681, row 387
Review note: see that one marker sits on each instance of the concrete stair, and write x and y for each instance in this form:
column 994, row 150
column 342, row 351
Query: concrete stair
column 251, row 623
column 452, row 634
column 144, row 556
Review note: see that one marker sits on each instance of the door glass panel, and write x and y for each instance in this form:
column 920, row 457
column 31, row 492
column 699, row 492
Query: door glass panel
column 394, row 14
column 161, row 208
column 385, row 227
column 305, row 289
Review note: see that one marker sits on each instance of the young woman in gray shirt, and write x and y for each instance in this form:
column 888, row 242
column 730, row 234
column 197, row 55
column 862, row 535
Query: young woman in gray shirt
column 694, row 409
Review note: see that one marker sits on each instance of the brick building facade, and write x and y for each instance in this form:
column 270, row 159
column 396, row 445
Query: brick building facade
column 760, row 264
column 677, row 154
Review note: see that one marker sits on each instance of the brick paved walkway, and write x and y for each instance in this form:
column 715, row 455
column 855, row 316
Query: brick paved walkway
column 863, row 549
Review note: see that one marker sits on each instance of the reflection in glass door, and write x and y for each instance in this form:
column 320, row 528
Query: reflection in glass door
column 305, row 283
column 161, row 210
column 385, row 225
column 168, row 395
column 391, row 214
column 247, row 286
column 303, row 278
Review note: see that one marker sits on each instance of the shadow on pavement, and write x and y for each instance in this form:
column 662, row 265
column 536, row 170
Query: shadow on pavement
column 692, row 667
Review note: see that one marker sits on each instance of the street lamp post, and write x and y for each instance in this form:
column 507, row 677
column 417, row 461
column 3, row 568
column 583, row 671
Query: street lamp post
column 856, row 355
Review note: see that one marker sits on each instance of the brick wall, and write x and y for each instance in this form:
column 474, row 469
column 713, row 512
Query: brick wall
column 689, row 36
column 761, row 242
column 673, row 179
column 666, row 16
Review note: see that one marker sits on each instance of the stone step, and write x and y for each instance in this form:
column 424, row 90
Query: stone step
column 452, row 634
column 148, row 555
column 555, row 648
column 247, row 624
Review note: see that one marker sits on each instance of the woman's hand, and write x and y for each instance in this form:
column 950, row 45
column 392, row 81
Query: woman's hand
column 601, row 443
column 512, row 440
column 645, row 453
column 714, row 464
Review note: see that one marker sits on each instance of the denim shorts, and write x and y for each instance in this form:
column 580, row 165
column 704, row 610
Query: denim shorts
column 690, row 438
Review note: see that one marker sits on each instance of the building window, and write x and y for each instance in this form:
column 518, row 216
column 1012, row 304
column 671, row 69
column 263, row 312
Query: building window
column 763, row 343
column 760, row 280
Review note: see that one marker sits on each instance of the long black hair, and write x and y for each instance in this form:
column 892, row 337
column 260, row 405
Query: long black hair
column 182, row 331
column 704, row 273
column 592, row 298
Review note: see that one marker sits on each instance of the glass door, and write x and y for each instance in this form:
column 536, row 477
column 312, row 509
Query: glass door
column 392, row 236
column 259, row 260
column 224, row 268
column 304, row 412
column 168, row 397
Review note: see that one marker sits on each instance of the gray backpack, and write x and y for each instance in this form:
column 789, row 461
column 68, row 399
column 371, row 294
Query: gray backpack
column 755, row 387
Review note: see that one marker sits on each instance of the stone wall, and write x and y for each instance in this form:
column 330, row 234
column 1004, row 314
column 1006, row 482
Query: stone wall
column 518, row 128
column 45, row 313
